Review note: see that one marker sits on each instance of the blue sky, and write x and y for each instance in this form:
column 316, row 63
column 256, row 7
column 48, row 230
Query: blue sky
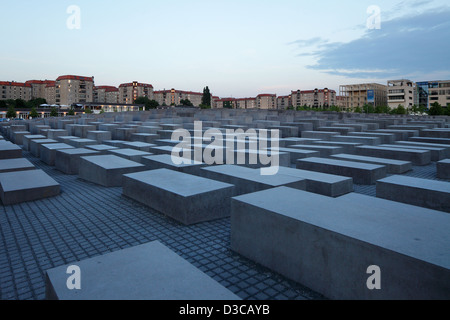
column 237, row 48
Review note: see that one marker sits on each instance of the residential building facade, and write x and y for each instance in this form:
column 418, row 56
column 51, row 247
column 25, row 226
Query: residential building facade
column 358, row 95
column 15, row 90
column 106, row 94
column 246, row 103
column 317, row 98
column 74, row 89
column 129, row 92
column 266, row 101
column 284, row 102
column 173, row 97
column 401, row 92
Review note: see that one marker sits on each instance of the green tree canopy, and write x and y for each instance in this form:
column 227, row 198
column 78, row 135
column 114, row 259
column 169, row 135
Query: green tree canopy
column 436, row 109
column 186, row 102
column 71, row 112
column 149, row 104
column 33, row 113
column 54, row 112
column 21, row 103
column 206, row 98
column 11, row 114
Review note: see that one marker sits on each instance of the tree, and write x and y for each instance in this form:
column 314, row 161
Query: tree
column 381, row 109
column 399, row 110
column 3, row 104
column 368, row 108
column 54, row 112
column 436, row 109
column 71, row 112
column 20, row 103
column 202, row 106
column 11, row 114
column 88, row 111
column 35, row 103
column 33, row 113
column 186, row 102
column 206, row 98
column 358, row 110
column 149, row 104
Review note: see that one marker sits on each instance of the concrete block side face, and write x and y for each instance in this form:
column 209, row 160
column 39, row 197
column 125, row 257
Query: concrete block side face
column 443, row 170
column 425, row 198
column 329, row 263
column 29, row 194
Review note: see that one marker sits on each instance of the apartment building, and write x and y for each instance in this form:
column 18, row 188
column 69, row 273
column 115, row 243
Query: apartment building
column 284, row 102
column 74, row 89
column 173, row 97
column 50, row 92
column 106, row 94
column 129, row 92
column 266, row 101
column 15, row 90
column 38, row 88
column 429, row 92
column 246, row 103
column 358, row 95
column 401, row 92
column 341, row 102
column 230, row 103
column 317, row 98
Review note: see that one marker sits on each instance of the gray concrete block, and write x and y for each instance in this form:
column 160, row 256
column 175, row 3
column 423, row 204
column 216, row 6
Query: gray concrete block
column 443, row 169
column 341, row 130
column 141, row 146
column 81, row 130
column 325, row 151
column 99, row 136
column 35, row 146
column 322, row 135
column 165, row 161
column 362, row 173
column 437, row 154
column 393, row 166
column 384, row 137
column 348, row 147
column 146, row 272
column 247, row 180
column 81, row 143
column 123, row 133
column 130, row 154
column 107, row 170
column 9, row 150
column 144, row 137
column 424, row 144
column 371, row 141
column 425, row 193
column 436, row 133
column 186, row 198
column 65, row 139
column 27, row 138
column 430, row 140
column 23, row 186
column 48, row 152
column 417, row 157
column 18, row 164
column 68, row 160
column 334, row 241
column 102, row 148
column 17, row 137
column 56, row 133
column 296, row 154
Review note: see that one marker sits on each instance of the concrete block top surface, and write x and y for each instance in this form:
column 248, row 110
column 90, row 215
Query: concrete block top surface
column 369, row 159
column 253, row 175
column 393, row 149
column 15, row 163
column 34, row 136
column 23, row 180
column 343, row 163
column 77, row 151
column 168, row 159
column 130, row 152
column 446, row 161
column 183, row 184
column 146, row 272
column 412, row 182
column 44, row 141
column 313, row 175
column 57, row 146
column 101, row 147
column 112, row 162
column 421, row 234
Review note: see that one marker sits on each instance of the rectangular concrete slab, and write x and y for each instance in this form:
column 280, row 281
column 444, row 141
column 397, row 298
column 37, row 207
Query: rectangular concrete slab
column 362, row 173
column 165, row 161
column 48, row 152
column 19, row 164
column 146, row 272
column 393, row 166
column 437, row 154
column 318, row 241
column 35, row 146
column 325, row 151
column 107, row 170
column 9, row 150
column 130, row 154
column 425, row 193
column 417, row 157
column 443, row 169
column 186, row 198
column 247, row 180
column 322, row 183
column 23, row 186
column 27, row 138
column 68, row 160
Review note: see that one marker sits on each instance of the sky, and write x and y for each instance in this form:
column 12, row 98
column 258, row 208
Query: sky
column 236, row 48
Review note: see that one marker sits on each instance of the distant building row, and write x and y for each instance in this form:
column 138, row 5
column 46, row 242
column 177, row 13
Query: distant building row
column 70, row 89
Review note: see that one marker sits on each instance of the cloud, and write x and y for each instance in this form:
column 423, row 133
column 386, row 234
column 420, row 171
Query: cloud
column 412, row 45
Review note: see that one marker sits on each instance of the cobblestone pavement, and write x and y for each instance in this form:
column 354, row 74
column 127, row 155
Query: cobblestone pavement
column 87, row 220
